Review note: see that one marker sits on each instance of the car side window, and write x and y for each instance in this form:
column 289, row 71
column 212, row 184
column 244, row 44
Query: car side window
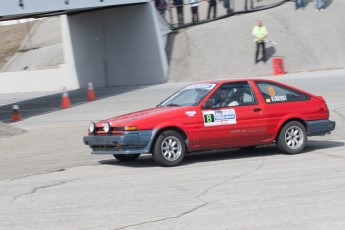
column 233, row 94
column 274, row 93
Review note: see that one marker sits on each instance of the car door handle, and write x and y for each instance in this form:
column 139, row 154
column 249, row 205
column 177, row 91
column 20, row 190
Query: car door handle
column 257, row 109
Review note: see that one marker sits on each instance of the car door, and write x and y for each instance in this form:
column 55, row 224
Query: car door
column 241, row 120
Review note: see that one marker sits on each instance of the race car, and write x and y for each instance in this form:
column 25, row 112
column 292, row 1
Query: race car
column 212, row 115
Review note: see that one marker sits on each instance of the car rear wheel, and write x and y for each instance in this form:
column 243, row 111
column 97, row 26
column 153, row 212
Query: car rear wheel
column 169, row 149
column 292, row 138
column 127, row 157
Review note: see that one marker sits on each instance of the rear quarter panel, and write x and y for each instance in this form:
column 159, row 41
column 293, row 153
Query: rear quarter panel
column 279, row 113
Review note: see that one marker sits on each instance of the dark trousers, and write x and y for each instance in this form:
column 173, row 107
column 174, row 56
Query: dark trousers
column 246, row 4
column 195, row 14
column 262, row 45
column 214, row 6
column 180, row 14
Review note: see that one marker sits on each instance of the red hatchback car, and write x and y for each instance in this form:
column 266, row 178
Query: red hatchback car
column 214, row 115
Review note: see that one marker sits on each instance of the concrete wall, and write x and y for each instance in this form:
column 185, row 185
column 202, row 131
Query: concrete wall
column 31, row 81
column 118, row 46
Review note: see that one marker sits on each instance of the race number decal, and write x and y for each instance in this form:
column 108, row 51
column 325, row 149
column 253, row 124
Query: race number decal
column 219, row 117
column 209, row 118
column 271, row 91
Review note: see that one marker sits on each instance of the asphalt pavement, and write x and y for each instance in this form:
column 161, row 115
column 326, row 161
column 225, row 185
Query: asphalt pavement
column 42, row 103
column 49, row 179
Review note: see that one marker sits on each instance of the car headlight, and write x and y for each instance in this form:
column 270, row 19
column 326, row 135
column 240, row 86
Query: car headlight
column 106, row 127
column 92, row 127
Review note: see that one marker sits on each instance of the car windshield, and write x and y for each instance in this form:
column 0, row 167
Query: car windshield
column 190, row 95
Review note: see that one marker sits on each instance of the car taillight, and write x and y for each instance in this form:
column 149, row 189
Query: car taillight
column 327, row 108
column 324, row 107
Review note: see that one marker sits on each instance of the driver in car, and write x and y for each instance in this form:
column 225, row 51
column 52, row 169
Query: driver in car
column 224, row 99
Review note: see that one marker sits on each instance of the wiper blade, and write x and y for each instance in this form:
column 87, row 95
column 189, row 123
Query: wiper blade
column 172, row 104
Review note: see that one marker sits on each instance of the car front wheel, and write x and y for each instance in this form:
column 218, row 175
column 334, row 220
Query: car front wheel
column 292, row 138
column 128, row 157
column 169, row 149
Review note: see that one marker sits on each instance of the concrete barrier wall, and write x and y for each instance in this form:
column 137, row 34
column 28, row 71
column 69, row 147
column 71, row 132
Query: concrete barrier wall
column 31, row 81
column 118, row 46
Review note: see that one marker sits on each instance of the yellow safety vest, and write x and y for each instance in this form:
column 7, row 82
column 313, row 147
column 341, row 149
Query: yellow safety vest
column 259, row 31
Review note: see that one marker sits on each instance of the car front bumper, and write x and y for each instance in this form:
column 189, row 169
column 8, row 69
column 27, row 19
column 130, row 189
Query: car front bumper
column 320, row 127
column 131, row 142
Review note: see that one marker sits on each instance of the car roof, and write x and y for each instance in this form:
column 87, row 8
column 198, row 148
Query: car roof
column 222, row 81
column 233, row 80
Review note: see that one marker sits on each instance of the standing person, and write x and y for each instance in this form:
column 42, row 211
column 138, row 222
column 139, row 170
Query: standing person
column 319, row 5
column 161, row 6
column 194, row 8
column 179, row 10
column 246, row 4
column 299, row 4
column 260, row 34
column 212, row 4
column 226, row 4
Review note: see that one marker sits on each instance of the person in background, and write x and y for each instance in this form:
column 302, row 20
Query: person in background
column 246, row 4
column 212, row 4
column 161, row 6
column 299, row 4
column 194, row 8
column 319, row 5
column 179, row 10
column 226, row 4
column 260, row 34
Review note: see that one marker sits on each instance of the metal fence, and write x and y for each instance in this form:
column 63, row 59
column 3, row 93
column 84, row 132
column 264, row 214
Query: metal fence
column 185, row 13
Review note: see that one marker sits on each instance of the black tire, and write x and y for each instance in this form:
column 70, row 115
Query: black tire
column 169, row 149
column 292, row 138
column 127, row 157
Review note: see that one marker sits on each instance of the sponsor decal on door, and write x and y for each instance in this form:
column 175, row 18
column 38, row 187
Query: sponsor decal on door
column 219, row 117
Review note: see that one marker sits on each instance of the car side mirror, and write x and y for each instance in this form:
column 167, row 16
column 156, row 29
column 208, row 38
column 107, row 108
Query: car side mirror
column 209, row 104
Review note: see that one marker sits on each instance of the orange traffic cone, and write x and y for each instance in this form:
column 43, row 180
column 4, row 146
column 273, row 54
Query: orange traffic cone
column 90, row 92
column 65, row 103
column 15, row 113
column 278, row 66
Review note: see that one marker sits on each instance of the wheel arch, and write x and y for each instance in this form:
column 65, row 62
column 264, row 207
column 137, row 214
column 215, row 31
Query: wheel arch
column 289, row 120
column 174, row 128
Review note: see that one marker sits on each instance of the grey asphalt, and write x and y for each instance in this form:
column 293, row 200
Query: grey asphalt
column 49, row 179
column 34, row 104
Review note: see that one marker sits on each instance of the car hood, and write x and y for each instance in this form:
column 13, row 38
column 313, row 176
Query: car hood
column 153, row 113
